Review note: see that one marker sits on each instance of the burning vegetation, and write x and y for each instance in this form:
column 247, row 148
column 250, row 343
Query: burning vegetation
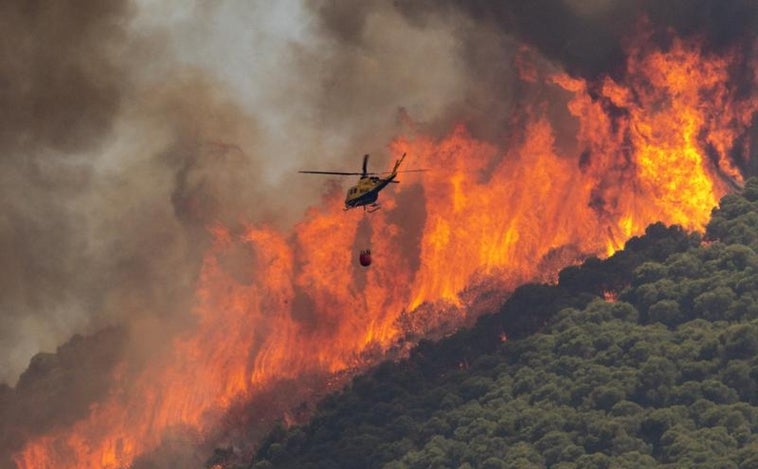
column 662, row 375
column 584, row 161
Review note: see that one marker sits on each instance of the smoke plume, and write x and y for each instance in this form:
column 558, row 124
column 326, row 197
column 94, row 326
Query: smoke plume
column 61, row 93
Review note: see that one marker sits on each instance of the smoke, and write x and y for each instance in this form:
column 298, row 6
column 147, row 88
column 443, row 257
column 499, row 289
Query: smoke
column 115, row 157
column 585, row 38
column 60, row 94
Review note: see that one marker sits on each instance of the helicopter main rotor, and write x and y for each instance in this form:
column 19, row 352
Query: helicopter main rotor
column 362, row 174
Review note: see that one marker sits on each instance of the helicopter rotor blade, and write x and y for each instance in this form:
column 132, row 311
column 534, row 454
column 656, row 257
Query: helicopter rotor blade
column 336, row 173
column 407, row 171
column 365, row 164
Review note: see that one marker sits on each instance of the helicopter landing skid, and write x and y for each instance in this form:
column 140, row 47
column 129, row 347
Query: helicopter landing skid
column 372, row 208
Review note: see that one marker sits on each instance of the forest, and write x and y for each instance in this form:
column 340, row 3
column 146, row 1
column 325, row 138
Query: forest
column 646, row 359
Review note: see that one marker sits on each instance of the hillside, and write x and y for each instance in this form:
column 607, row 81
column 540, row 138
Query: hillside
column 646, row 359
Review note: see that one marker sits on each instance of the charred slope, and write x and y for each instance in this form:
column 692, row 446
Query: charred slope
column 647, row 358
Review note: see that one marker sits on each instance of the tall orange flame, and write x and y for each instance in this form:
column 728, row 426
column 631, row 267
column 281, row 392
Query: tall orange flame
column 653, row 147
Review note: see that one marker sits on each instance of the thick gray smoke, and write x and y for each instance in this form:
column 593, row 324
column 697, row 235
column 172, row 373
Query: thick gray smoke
column 582, row 37
column 60, row 94
column 586, row 36
column 109, row 173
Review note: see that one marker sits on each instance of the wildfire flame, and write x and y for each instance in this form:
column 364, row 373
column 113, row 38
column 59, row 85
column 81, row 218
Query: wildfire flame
column 655, row 146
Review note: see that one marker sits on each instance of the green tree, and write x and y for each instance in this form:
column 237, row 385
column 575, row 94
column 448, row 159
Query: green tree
column 714, row 304
column 741, row 341
column 666, row 312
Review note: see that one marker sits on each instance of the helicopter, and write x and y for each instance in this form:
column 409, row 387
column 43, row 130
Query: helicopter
column 365, row 193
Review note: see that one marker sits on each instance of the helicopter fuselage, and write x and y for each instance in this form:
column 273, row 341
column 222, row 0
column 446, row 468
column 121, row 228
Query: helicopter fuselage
column 366, row 192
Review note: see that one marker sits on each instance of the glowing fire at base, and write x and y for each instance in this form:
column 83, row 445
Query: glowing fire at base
column 654, row 147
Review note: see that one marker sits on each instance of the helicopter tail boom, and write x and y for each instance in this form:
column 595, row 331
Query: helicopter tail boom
column 397, row 165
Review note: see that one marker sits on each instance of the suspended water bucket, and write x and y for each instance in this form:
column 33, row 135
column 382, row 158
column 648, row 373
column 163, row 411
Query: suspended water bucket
column 365, row 257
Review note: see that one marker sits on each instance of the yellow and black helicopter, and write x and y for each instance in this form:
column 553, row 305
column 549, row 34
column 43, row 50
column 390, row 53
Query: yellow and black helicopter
column 365, row 193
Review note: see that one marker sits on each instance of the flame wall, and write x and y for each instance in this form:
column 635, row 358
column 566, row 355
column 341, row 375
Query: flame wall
column 661, row 143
